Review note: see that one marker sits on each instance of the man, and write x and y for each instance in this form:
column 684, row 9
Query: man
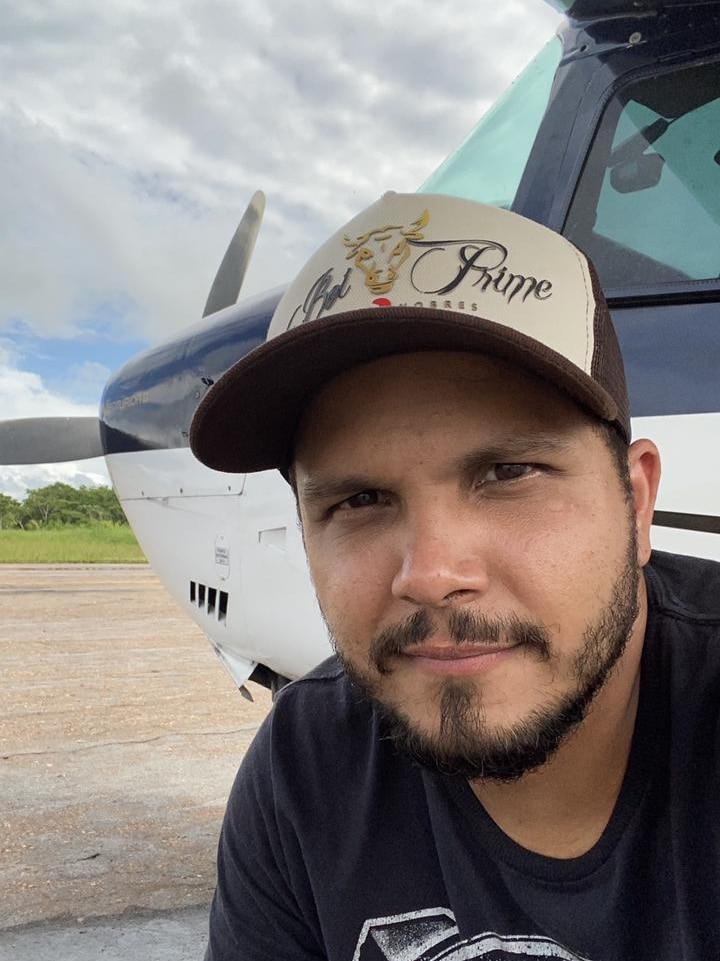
column 514, row 754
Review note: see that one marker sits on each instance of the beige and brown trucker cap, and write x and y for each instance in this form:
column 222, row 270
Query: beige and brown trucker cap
column 417, row 272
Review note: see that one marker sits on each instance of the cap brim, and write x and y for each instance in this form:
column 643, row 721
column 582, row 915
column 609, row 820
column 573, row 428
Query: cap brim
column 248, row 419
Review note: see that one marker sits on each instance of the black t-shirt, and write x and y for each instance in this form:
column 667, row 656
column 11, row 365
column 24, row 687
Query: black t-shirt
column 336, row 847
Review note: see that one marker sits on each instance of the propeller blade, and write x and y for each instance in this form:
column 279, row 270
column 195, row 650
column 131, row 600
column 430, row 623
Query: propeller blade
column 231, row 273
column 49, row 440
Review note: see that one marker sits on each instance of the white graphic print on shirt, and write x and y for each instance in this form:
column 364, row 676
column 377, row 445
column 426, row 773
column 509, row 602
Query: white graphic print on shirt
column 433, row 935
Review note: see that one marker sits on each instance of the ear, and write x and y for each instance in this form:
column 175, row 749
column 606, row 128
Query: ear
column 644, row 466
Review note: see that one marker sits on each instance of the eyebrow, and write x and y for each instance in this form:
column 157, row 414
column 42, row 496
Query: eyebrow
column 537, row 444
column 313, row 490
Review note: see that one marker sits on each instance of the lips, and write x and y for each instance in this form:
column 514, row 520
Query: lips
column 458, row 660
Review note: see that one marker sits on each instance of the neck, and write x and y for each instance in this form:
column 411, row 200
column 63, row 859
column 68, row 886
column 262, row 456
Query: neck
column 561, row 809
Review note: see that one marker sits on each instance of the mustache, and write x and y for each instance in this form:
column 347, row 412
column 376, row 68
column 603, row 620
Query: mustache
column 464, row 627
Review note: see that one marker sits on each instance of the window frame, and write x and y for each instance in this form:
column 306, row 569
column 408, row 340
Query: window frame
column 685, row 291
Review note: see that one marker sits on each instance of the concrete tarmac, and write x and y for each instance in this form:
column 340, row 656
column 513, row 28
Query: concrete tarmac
column 138, row 936
column 120, row 734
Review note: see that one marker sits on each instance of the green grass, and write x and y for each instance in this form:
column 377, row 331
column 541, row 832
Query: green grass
column 94, row 544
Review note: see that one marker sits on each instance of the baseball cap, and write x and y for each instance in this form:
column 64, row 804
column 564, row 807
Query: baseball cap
column 417, row 272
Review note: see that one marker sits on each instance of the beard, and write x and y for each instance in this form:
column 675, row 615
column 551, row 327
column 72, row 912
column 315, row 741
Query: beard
column 465, row 745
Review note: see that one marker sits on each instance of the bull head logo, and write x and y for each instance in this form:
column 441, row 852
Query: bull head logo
column 381, row 252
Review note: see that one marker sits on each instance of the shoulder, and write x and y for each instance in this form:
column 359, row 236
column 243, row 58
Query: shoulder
column 683, row 630
column 327, row 680
column 323, row 697
column 320, row 726
column 681, row 669
column 275, row 825
column 320, row 767
column 685, row 589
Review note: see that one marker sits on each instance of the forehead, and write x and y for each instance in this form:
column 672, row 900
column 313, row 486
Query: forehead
column 411, row 398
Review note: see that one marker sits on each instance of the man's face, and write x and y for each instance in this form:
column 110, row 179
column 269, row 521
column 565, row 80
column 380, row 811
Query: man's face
column 472, row 548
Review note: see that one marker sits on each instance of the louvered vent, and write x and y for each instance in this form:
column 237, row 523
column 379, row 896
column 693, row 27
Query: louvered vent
column 210, row 600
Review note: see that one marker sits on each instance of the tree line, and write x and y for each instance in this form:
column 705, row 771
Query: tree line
column 58, row 505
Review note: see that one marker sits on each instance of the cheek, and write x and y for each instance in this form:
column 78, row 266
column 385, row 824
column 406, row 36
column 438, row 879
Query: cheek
column 353, row 587
column 560, row 562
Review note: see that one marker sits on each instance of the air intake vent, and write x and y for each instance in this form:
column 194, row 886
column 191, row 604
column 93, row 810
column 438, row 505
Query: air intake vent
column 210, row 600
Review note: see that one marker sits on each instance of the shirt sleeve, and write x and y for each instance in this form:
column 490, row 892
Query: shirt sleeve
column 257, row 913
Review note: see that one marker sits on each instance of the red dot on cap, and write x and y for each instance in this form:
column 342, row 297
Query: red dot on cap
column 382, row 302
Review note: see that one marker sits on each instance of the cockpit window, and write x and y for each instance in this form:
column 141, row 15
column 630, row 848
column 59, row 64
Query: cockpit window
column 647, row 206
column 489, row 163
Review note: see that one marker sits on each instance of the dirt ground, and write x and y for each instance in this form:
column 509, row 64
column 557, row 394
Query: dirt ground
column 120, row 734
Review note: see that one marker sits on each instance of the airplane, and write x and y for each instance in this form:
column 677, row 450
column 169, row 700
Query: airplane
column 610, row 136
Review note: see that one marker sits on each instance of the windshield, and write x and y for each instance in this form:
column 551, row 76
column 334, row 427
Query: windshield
column 647, row 207
column 489, row 163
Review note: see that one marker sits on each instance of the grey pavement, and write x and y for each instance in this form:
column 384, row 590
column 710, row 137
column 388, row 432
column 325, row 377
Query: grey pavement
column 134, row 936
column 120, row 735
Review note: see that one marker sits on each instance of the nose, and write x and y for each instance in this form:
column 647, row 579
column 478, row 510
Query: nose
column 443, row 558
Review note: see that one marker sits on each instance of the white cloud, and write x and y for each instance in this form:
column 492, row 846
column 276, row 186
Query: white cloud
column 133, row 134
column 17, row 481
column 23, row 394
column 88, row 237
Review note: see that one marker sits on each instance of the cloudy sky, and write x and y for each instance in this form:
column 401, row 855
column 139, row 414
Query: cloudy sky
column 132, row 135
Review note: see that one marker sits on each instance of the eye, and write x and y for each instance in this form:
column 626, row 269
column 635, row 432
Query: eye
column 497, row 473
column 368, row 498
